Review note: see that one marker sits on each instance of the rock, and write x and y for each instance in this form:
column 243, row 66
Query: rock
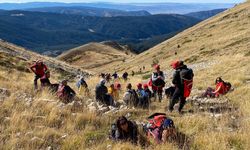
column 29, row 133
column 64, row 136
column 4, row 92
column 109, row 147
column 49, row 148
column 92, row 104
column 36, row 139
column 92, row 108
column 89, row 101
column 128, row 115
column 103, row 109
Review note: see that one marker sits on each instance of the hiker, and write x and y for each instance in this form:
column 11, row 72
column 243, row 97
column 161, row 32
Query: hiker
column 107, row 77
column 125, row 76
column 132, row 73
column 65, row 92
column 157, row 82
column 82, row 86
column 222, row 88
column 143, row 97
column 39, row 68
column 45, row 82
column 102, row 95
column 183, row 82
column 147, row 90
column 124, row 130
column 114, row 90
column 130, row 97
column 159, row 123
column 115, row 76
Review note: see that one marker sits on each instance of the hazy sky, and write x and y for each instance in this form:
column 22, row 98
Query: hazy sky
column 127, row 1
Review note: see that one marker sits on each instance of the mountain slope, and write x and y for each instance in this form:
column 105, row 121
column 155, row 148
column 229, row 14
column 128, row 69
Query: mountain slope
column 96, row 56
column 57, row 32
column 203, row 15
column 15, row 57
column 224, row 34
column 90, row 11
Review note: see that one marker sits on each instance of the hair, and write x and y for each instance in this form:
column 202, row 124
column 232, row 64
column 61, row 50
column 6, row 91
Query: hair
column 218, row 79
column 119, row 120
column 129, row 86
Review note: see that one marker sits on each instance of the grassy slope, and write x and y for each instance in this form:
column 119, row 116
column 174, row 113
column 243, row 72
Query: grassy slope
column 75, row 128
column 94, row 56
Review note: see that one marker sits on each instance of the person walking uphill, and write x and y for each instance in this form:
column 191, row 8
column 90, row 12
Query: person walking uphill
column 39, row 68
column 183, row 82
column 157, row 82
column 124, row 130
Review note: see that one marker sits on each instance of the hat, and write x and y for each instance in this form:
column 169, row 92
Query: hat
column 175, row 64
column 145, row 86
column 139, row 85
column 157, row 67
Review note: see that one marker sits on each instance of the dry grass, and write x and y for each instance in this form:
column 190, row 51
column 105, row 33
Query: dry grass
column 46, row 123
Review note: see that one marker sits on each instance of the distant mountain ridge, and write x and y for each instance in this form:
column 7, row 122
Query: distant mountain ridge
column 153, row 8
column 52, row 32
column 203, row 15
column 90, row 11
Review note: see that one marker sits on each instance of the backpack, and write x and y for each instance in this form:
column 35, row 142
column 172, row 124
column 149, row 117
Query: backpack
column 158, row 82
column 187, row 76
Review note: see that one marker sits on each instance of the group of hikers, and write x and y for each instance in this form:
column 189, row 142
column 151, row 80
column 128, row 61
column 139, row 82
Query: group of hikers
column 159, row 127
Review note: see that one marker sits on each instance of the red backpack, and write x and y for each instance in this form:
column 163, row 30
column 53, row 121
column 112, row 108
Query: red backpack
column 187, row 76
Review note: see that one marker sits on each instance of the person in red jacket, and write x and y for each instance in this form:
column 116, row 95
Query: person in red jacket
column 39, row 68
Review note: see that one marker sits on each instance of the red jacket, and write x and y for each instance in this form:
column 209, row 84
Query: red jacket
column 220, row 89
column 39, row 70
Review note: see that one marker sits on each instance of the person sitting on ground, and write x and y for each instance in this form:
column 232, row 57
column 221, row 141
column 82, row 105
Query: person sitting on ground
column 124, row 130
column 157, row 82
column 82, row 86
column 39, row 68
column 125, row 76
column 130, row 97
column 147, row 90
column 183, row 82
column 114, row 90
column 143, row 97
column 65, row 93
column 157, row 124
column 102, row 95
column 222, row 88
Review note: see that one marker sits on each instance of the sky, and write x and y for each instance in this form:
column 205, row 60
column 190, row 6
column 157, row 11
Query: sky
column 127, row 1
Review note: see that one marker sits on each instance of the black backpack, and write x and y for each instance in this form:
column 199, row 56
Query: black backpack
column 186, row 74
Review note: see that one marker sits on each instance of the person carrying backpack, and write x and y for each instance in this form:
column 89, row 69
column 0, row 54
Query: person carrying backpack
column 143, row 97
column 147, row 90
column 157, row 82
column 130, row 97
column 101, row 93
column 65, row 92
column 183, row 82
column 39, row 68
column 158, row 123
column 45, row 82
column 124, row 130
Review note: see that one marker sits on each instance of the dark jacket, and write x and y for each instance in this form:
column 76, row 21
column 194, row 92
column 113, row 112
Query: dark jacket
column 131, row 135
column 100, row 92
column 177, row 81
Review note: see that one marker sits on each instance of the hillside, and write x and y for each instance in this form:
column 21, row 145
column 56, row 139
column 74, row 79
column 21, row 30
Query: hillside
column 51, row 32
column 15, row 57
column 96, row 56
column 90, row 11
